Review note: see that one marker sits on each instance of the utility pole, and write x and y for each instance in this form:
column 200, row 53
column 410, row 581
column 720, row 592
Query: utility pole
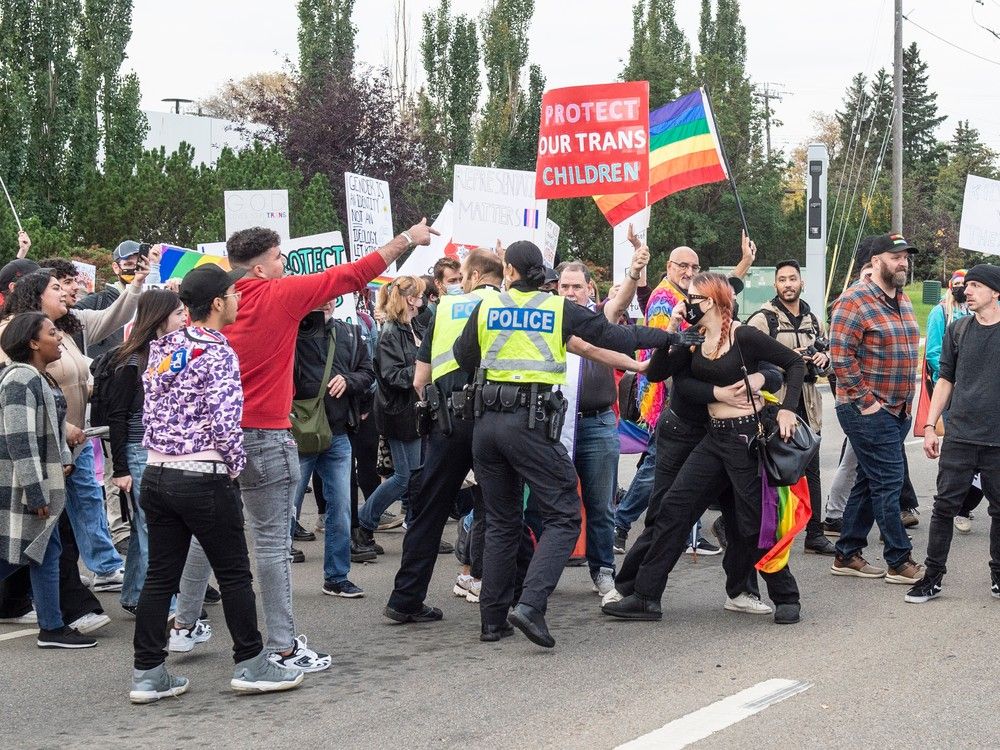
column 897, row 123
column 770, row 91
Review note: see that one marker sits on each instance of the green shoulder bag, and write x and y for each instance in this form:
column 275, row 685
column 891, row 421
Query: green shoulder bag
column 310, row 427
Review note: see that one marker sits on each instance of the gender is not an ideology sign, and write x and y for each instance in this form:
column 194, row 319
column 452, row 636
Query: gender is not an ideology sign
column 593, row 140
column 369, row 214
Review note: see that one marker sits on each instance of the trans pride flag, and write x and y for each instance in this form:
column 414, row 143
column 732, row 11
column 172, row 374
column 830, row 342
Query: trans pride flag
column 785, row 511
column 684, row 152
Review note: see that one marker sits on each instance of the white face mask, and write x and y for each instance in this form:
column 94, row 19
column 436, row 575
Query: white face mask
column 454, row 289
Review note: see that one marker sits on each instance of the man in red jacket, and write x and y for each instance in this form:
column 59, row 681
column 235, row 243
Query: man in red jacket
column 271, row 308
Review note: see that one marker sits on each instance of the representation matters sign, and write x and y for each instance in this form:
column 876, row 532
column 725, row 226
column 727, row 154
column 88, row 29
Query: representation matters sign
column 593, row 140
column 315, row 254
column 369, row 214
column 496, row 204
column 257, row 208
column 980, row 228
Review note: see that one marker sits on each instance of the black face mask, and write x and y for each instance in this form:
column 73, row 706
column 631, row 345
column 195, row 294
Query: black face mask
column 958, row 292
column 693, row 314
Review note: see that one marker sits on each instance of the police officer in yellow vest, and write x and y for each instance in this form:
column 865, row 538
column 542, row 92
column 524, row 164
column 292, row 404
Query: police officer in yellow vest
column 516, row 343
column 448, row 456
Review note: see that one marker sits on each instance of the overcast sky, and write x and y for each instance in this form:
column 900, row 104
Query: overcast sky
column 810, row 49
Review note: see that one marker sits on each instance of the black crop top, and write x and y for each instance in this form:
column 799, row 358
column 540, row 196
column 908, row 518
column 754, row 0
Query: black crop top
column 756, row 347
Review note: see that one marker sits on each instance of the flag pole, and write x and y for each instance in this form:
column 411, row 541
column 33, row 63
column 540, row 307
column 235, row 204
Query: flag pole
column 725, row 161
column 12, row 209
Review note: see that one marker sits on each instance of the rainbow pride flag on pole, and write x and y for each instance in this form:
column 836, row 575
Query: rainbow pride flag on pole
column 684, row 152
column 176, row 262
column 785, row 511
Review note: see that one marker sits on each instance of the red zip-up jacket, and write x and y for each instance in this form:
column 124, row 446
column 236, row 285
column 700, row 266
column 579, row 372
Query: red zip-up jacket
column 266, row 328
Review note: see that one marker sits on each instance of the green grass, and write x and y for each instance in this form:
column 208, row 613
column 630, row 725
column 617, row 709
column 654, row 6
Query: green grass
column 921, row 310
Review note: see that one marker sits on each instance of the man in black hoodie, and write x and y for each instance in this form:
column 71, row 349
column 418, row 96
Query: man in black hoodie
column 345, row 386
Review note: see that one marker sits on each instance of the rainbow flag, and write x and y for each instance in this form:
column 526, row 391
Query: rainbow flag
column 684, row 152
column 785, row 511
column 176, row 262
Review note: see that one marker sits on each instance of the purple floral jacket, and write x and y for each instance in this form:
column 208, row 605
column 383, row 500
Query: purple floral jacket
column 194, row 399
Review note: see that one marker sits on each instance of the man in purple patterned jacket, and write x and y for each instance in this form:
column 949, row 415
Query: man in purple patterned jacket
column 193, row 406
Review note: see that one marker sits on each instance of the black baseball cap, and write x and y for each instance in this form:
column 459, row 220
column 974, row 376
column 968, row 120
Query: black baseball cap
column 15, row 270
column 882, row 243
column 205, row 283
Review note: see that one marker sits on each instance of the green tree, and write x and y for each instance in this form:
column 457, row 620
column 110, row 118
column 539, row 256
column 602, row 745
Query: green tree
column 659, row 52
column 920, row 117
column 316, row 212
column 505, row 51
column 326, row 40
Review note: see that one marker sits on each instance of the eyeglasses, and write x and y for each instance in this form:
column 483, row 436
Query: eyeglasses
column 694, row 267
column 234, row 294
column 696, row 297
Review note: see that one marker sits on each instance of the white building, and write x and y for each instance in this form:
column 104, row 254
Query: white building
column 208, row 135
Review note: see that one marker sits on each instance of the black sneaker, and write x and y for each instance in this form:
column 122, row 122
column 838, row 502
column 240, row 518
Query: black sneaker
column 130, row 608
column 362, row 554
column 212, row 595
column 995, row 584
column 297, row 555
column 927, row 588
column 621, row 539
column 445, row 548
column 299, row 534
column 704, row 547
column 365, row 539
column 343, row 588
column 832, row 527
column 65, row 638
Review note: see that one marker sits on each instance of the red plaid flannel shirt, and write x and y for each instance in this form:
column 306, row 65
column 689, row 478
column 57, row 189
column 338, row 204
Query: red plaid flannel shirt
column 874, row 349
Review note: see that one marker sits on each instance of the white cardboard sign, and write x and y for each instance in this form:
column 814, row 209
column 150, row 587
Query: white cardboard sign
column 623, row 251
column 551, row 243
column 497, row 204
column 213, row 248
column 423, row 257
column 257, row 208
column 980, row 228
column 369, row 214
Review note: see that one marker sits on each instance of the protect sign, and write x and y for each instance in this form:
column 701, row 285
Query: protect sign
column 593, row 140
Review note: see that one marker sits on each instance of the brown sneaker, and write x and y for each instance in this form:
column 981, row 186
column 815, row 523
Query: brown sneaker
column 909, row 518
column 907, row 572
column 855, row 566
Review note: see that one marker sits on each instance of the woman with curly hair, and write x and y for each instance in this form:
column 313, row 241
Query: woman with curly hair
column 726, row 455
column 42, row 292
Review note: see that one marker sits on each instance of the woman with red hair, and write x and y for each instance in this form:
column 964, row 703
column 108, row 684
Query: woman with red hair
column 725, row 456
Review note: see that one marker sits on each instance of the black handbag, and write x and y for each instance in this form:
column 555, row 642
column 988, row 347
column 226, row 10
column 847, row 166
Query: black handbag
column 785, row 463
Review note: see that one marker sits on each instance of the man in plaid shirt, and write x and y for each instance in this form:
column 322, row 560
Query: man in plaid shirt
column 874, row 339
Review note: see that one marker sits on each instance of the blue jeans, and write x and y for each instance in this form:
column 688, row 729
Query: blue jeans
column 85, row 508
column 334, row 468
column 637, row 498
column 877, row 439
column 137, row 559
column 44, row 583
column 405, row 460
column 596, row 458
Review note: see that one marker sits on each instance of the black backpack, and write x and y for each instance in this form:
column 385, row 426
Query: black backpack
column 102, row 370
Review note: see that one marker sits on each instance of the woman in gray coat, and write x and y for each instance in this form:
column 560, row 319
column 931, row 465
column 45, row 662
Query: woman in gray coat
column 34, row 461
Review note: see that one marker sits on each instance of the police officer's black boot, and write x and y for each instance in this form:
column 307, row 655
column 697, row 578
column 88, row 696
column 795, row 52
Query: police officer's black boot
column 634, row 607
column 493, row 633
column 531, row 622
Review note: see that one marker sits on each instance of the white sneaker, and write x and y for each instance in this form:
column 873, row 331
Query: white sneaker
column 87, row 581
column 89, row 623
column 28, row 618
column 183, row 640
column 302, row 658
column 473, row 595
column 320, row 525
column 463, row 584
column 963, row 524
column 748, row 604
column 612, row 596
column 110, row 582
column 604, row 581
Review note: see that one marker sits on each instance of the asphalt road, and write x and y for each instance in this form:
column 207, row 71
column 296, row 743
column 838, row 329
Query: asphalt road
column 882, row 672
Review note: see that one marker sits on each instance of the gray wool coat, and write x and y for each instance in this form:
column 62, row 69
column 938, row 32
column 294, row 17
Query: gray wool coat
column 33, row 451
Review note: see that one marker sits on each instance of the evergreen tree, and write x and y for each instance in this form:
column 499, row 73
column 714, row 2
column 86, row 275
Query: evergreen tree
column 326, row 40
column 659, row 53
column 316, row 212
column 920, row 117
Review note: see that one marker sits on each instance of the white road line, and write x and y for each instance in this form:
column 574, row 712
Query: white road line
column 713, row 718
column 17, row 634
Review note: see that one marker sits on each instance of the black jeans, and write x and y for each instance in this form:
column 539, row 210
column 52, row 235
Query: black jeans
column 75, row 599
column 675, row 440
column 720, row 458
column 364, row 445
column 179, row 504
column 447, row 461
column 958, row 464
column 506, row 452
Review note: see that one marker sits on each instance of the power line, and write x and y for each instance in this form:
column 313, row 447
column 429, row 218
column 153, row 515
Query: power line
column 952, row 44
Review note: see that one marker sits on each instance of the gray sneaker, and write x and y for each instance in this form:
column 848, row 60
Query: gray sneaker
column 149, row 685
column 604, row 581
column 261, row 675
